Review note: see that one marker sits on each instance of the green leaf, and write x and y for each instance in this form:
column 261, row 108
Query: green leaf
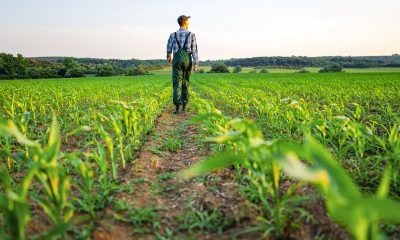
column 205, row 116
column 296, row 168
column 5, row 178
column 384, row 186
column 54, row 143
column 79, row 130
column 210, row 164
column 386, row 209
column 57, row 231
column 341, row 182
column 8, row 128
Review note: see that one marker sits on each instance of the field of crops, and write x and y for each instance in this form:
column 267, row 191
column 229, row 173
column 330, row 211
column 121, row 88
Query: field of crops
column 64, row 144
column 63, row 137
column 284, row 70
column 356, row 117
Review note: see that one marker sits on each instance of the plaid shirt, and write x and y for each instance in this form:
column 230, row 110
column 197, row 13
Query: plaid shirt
column 191, row 45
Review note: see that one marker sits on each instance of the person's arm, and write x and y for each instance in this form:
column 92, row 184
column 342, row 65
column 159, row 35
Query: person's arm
column 195, row 53
column 169, row 49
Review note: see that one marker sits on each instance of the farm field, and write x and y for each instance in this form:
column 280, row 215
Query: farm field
column 288, row 108
column 283, row 70
column 277, row 155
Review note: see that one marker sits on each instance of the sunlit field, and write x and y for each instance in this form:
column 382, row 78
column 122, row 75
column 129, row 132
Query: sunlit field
column 295, row 141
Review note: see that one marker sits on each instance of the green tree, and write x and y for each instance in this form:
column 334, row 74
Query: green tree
column 2, row 68
column 331, row 68
column 219, row 68
column 237, row 69
column 12, row 67
column 104, row 70
column 73, row 68
column 139, row 70
column 20, row 65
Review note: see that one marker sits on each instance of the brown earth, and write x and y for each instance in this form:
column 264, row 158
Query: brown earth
column 204, row 208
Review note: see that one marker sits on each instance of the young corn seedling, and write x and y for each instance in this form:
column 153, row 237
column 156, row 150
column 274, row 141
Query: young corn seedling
column 47, row 170
column 23, row 126
column 394, row 153
column 56, row 183
column 109, row 144
column 14, row 205
column 95, row 185
column 87, row 201
column 345, row 203
column 5, row 151
column 249, row 150
column 118, row 134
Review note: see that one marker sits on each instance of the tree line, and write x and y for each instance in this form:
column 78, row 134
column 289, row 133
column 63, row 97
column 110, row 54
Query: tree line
column 18, row 67
column 298, row 62
column 222, row 68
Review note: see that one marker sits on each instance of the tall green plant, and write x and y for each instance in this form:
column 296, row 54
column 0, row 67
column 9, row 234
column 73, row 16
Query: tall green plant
column 45, row 168
column 345, row 203
column 14, row 205
column 246, row 147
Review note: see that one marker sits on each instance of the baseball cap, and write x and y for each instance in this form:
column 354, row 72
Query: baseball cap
column 182, row 18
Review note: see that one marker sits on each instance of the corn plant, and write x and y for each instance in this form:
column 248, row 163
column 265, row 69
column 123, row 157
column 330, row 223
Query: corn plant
column 56, row 183
column 109, row 144
column 95, row 184
column 14, row 205
column 87, row 200
column 46, row 170
column 394, row 153
column 345, row 203
column 5, row 151
column 116, row 132
column 244, row 138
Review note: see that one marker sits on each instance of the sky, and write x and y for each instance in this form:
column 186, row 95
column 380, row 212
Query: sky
column 126, row 29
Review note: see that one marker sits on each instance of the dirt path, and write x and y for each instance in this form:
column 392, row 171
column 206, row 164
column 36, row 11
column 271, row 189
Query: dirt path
column 159, row 205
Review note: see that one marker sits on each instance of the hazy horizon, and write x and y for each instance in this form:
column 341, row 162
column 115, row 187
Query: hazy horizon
column 225, row 29
column 208, row 59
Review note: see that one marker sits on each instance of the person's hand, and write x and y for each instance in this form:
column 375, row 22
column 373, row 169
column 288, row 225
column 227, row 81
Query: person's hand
column 169, row 58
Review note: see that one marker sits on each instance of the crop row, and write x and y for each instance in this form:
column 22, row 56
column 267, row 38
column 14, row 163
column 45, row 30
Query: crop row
column 265, row 164
column 357, row 117
column 64, row 175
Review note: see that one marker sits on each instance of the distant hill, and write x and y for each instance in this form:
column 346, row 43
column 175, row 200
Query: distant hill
column 282, row 62
column 300, row 62
column 115, row 62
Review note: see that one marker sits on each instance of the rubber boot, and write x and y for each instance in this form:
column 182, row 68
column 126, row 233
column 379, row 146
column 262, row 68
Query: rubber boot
column 176, row 109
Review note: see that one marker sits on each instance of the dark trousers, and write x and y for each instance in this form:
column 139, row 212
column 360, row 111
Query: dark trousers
column 181, row 69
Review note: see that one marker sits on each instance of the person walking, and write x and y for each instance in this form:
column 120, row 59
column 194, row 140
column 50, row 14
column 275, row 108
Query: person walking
column 182, row 54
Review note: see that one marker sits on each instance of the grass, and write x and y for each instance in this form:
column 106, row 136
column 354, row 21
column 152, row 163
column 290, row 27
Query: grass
column 195, row 221
column 166, row 176
column 172, row 144
column 145, row 220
